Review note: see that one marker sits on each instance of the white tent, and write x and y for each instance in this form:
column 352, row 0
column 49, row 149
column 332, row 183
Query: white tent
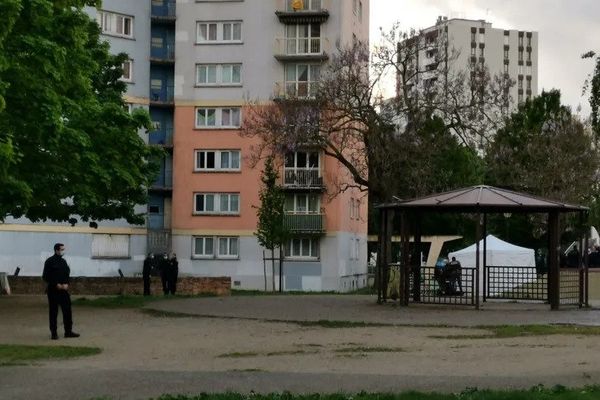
column 499, row 254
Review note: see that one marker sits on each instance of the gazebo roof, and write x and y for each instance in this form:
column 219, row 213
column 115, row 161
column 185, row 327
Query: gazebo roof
column 483, row 198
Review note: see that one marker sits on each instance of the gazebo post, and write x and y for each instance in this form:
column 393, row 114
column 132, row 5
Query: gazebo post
column 484, row 256
column 388, row 251
column 584, row 258
column 404, row 272
column 380, row 254
column 477, row 239
column 416, row 260
column 553, row 261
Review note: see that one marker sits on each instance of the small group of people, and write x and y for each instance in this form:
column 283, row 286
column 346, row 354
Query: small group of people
column 164, row 266
column 449, row 277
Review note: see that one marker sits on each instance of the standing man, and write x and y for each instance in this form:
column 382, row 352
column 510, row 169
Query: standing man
column 173, row 272
column 56, row 275
column 146, row 271
column 163, row 266
column 455, row 272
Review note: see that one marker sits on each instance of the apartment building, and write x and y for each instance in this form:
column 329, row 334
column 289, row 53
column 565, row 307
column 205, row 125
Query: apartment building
column 510, row 53
column 194, row 65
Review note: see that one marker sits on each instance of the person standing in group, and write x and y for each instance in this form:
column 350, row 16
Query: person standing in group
column 146, row 271
column 163, row 266
column 173, row 272
column 455, row 273
column 56, row 275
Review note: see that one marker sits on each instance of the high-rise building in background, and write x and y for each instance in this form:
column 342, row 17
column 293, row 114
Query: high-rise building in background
column 510, row 53
column 194, row 65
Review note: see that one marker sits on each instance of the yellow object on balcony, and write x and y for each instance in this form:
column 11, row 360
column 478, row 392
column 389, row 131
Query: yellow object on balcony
column 297, row 5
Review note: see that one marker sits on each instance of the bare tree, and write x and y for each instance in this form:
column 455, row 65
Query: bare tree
column 343, row 114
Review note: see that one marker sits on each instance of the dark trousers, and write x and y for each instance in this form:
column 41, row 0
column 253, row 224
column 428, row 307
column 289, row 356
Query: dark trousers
column 146, row 285
column 165, row 283
column 63, row 299
column 172, row 283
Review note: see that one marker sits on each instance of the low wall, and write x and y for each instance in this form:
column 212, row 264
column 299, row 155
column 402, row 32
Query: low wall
column 594, row 284
column 219, row 286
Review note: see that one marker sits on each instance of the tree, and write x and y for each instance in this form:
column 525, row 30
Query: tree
column 271, row 230
column 73, row 148
column 343, row 115
column 546, row 151
column 592, row 86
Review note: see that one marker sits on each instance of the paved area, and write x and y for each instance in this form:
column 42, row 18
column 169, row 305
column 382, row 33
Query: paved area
column 249, row 344
column 365, row 309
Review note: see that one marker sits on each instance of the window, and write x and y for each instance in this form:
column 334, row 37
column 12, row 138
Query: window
column 354, row 248
column 506, row 69
column 473, row 51
column 481, row 36
column 506, row 54
column 520, row 70
column 217, row 160
column 115, row 24
column 218, row 74
column 521, row 55
column 302, row 160
column 529, row 56
column 473, row 35
column 520, row 98
column 226, row 31
column 303, row 39
column 302, row 248
column 127, row 67
column 110, row 246
column 481, row 52
column 529, row 39
column 521, row 39
column 302, row 203
column 217, row 203
column 204, row 246
column 307, row 5
column 506, row 37
column 520, row 83
column 529, row 83
column 228, row 247
column 300, row 79
column 218, row 117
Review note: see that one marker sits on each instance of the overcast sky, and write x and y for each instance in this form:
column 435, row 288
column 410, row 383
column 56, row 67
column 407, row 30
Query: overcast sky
column 567, row 29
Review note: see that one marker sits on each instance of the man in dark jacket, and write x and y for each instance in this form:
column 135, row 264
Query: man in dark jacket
column 163, row 266
column 56, row 275
column 146, row 271
column 173, row 272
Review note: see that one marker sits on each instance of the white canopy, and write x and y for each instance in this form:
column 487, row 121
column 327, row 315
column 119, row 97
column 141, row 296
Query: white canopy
column 499, row 253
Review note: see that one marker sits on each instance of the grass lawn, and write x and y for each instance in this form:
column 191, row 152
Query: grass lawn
column 535, row 393
column 15, row 354
column 511, row 331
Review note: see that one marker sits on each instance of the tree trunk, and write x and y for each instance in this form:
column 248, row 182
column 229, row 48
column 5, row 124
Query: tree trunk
column 265, row 270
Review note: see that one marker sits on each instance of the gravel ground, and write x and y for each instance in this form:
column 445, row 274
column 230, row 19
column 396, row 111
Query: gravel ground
column 237, row 343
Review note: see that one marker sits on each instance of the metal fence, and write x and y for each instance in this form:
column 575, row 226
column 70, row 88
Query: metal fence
column 571, row 285
column 458, row 288
column 515, row 283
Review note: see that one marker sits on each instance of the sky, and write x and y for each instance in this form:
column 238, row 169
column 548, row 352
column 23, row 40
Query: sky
column 566, row 28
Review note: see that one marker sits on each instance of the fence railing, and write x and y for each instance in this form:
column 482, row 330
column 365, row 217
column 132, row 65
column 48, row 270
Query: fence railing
column 296, row 89
column 299, row 46
column 163, row 53
column 164, row 94
column 167, row 9
column 304, row 223
column 163, row 136
column 307, row 5
column 571, row 286
column 164, row 180
column 302, row 178
column 515, row 283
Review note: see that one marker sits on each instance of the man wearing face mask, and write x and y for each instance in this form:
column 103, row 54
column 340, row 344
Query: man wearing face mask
column 56, row 275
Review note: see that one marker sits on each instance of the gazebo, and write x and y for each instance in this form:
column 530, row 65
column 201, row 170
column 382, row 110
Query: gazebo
column 420, row 284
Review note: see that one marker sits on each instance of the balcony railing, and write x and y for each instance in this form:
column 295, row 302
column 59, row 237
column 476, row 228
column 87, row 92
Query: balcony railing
column 302, row 178
column 301, row 49
column 165, row 11
column 304, row 223
column 156, row 221
column 162, row 136
column 296, row 89
column 311, row 11
column 162, row 95
column 163, row 54
column 164, row 181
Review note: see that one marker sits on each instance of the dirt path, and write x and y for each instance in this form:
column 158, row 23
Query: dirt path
column 202, row 354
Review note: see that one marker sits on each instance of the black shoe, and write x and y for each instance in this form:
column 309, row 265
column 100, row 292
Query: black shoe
column 71, row 334
column 54, row 336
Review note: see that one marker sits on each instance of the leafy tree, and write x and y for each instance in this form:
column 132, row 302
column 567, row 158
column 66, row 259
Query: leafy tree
column 592, row 86
column 68, row 146
column 271, row 230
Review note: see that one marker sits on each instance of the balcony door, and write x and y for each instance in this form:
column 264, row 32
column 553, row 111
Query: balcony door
column 303, row 39
column 302, row 203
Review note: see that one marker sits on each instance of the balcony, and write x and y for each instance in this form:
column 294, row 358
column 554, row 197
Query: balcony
column 304, row 223
column 163, row 54
column 302, row 49
column 163, row 96
column 156, row 221
column 161, row 137
column 163, row 13
column 305, row 90
column 310, row 11
column 302, row 178
column 164, row 182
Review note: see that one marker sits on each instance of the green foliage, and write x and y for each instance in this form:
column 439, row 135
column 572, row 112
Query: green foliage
column 592, row 86
column 68, row 146
column 11, row 354
column 271, row 231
